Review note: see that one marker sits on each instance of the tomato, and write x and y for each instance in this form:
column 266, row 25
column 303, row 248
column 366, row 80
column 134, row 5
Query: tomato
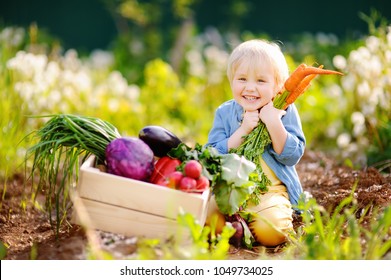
column 193, row 169
column 164, row 167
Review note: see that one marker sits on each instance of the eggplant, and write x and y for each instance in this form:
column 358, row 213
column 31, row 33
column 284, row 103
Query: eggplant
column 159, row 139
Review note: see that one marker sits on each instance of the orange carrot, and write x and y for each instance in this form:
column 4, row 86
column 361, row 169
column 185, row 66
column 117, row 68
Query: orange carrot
column 302, row 71
column 294, row 79
column 300, row 89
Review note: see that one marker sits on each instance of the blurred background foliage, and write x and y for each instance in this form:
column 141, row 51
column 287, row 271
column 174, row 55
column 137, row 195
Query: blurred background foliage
column 166, row 66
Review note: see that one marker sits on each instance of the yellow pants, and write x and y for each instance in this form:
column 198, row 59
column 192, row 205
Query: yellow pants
column 273, row 215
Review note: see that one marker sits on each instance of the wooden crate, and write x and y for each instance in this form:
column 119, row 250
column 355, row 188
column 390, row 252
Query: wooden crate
column 131, row 207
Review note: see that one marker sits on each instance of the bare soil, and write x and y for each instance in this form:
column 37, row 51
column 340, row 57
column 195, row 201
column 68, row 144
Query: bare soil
column 28, row 234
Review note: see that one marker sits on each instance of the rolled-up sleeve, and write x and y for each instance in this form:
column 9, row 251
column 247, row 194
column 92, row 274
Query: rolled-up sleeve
column 226, row 121
column 218, row 137
column 295, row 142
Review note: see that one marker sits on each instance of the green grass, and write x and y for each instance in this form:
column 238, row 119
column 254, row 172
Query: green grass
column 341, row 235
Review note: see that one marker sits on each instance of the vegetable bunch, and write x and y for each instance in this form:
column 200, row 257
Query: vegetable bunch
column 56, row 154
column 231, row 175
column 255, row 142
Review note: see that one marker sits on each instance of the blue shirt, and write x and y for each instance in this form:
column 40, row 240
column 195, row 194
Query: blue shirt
column 228, row 118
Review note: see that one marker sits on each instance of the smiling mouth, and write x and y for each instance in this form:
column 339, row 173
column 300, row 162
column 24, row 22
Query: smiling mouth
column 251, row 98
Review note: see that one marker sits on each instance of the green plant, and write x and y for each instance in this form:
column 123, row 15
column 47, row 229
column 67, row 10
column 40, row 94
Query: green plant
column 204, row 243
column 340, row 235
column 3, row 251
column 60, row 144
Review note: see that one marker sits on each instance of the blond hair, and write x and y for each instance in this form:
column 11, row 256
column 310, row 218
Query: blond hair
column 257, row 51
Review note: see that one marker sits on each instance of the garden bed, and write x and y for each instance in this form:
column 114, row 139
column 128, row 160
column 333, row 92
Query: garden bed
column 29, row 232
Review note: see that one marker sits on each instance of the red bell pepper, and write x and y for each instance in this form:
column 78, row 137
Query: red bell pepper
column 164, row 167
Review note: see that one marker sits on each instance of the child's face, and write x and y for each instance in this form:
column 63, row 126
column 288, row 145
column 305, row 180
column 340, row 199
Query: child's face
column 253, row 85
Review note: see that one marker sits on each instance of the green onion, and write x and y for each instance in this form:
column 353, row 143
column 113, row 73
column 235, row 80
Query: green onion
column 60, row 144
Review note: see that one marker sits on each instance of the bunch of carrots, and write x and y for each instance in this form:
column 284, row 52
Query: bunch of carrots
column 254, row 143
column 298, row 82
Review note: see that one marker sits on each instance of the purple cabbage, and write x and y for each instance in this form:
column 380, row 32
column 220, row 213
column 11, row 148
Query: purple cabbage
column 130, row 157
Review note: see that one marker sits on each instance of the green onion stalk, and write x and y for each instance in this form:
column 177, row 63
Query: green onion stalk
column 61, row 143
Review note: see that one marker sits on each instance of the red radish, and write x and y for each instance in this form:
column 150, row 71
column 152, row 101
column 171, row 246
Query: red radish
column 202, row 183
column 174, row 179
column 187, row 184
column 193, row 169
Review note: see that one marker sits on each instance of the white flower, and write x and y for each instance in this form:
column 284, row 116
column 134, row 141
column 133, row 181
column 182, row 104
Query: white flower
column 357, row 118
column 27, row 65
column 215, row 55
column 364, row 53
column 133, row 92
column 326, row 39
column 101, row 59
column 339, row 61
column 375, row 66
column 113, row 104
column 196, row 63
column 334, row 90
column 52, row 73
column 343, row 140
column 349, row 82
column 117, row 83
column 383, row 97
column 358, row 129
column 373, row 43
column 387, row 54
column 25, row 90
column 136, row 47
column 12, row 35
column 82, row 81
column 363, row 89
column 368, row 109
column 193, row 56
column 332, row 130
column 352, row 148
column 71, row 61
column 389, row 36
column 322, row 38
column 55, row 96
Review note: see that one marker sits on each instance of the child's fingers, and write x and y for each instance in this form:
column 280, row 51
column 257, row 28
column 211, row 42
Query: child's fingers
column 250, row 119
column 270, row 114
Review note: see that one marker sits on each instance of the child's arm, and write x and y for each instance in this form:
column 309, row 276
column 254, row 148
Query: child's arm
column 271, row 117
column 295, row 140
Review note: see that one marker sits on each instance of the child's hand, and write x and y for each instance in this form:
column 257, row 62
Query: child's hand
column 270, row 115
column 250, row 121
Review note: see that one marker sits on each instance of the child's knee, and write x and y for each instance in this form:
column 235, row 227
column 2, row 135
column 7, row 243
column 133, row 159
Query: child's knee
column 271, row 226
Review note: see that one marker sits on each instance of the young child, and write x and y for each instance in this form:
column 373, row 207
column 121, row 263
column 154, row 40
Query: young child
column 257, row 70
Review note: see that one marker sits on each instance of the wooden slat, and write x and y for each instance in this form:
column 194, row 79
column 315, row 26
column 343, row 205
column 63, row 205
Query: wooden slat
column 125, row 221
column 137, row 195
